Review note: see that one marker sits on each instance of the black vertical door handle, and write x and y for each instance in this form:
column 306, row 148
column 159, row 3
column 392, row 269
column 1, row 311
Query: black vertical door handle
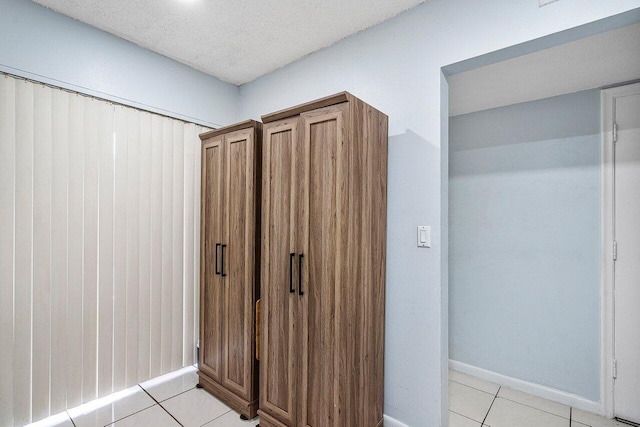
column 291, row 256
column 300, row 274
column 217, row 270
column 222, row 261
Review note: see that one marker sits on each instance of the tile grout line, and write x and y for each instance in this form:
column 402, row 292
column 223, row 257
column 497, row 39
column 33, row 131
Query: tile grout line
column 490, row 406
column 130, row 415
column 69, row 415
column 175, row 395
column 163, row 408
column 470, row 386
column 538, row 409
column 219, row 416
column 518, row 402
column 464, row 416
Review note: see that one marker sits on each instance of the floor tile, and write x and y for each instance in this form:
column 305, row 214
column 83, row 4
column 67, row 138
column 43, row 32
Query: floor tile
column 232, row 419
column 507, row 413
column 535, row 402
column 468, row 401
column 154, row 416
column 474, row 382
column 60, row 420
column 457, row 420
column 593, row 420
column 195, row 407
column 111, row 408
column 172, row 384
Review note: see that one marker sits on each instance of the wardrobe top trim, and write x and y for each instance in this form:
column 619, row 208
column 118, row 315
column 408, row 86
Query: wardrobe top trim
column 231, row 128
column 307, row 106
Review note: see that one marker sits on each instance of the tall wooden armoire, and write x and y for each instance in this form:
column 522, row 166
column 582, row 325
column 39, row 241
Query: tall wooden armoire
column 324, row 197
column 229, row 264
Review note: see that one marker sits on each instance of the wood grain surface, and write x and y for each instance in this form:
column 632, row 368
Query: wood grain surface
column 279, row 306
column 336, row 157
column 231, row 220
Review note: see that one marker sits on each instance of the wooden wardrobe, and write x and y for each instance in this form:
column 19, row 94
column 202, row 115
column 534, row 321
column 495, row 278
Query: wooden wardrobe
column 229, row 264
column 324, row 197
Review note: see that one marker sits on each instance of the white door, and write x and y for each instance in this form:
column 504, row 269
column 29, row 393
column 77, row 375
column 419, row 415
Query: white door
column 627, row 265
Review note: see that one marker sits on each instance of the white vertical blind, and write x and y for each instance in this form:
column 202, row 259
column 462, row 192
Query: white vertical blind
column 155, row 315
column 132, row 123
column 23, row 246
column 105, row 253
column 178, row 245
column 99, row 238
column 74, row 249
column 144, row 256
column 59, row 249
column 7, row 239
column 41, row 303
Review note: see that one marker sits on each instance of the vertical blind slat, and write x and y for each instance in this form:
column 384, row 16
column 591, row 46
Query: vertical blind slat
column 90, row 249
column 155, row 361
column 7, row 206
column 178, row 244
column 120, row 251
column 196, row 258
column 187, row 305
column 41, row 251
column 59, row 231
column 144, row 296
column 74, row 248
column 167, row 243
column 105, row 250
column 133, row 210
column 196, row 243
column 22, row 374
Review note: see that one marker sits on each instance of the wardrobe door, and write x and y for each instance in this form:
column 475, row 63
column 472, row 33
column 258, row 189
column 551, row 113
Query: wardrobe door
column 237, row 262
column 210, row 256
column 322, row 230
column 278, row 364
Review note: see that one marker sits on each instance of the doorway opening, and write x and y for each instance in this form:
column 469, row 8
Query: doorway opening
column 621, row 247
column 527, row 243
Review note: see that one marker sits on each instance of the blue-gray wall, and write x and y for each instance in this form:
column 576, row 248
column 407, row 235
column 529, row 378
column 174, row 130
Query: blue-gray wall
column 396, row 66
column 524, row 261
column 40, row 44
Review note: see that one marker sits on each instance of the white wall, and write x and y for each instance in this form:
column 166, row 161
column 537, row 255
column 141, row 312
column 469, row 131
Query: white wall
column 524, row 258
column 396, row 67
column 40, row 44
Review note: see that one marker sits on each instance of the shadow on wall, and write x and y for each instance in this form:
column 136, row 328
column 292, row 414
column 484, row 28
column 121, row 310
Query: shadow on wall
column 409, row 156
column 537, row 135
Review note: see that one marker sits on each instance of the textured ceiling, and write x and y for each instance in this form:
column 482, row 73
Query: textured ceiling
column 234, row 40
column 592, row 62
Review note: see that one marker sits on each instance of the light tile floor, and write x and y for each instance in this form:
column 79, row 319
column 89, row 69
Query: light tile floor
column 173, row 400
column 474, row 403
column 168, row 401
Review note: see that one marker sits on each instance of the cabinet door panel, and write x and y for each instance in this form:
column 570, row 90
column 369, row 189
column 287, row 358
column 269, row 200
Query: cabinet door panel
column 211, row 283
column 279, row 305
column 321, row 235
column 238, row 264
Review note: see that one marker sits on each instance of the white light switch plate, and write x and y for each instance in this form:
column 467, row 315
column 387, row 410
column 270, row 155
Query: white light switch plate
column 424, row 236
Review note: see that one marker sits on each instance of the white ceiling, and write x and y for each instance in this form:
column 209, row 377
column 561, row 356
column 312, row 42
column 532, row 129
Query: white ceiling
column 234, row 40
column 593, row 62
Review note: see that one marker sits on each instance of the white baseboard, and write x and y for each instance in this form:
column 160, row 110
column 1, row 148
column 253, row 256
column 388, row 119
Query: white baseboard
column 392, row 422
column 563, row 397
